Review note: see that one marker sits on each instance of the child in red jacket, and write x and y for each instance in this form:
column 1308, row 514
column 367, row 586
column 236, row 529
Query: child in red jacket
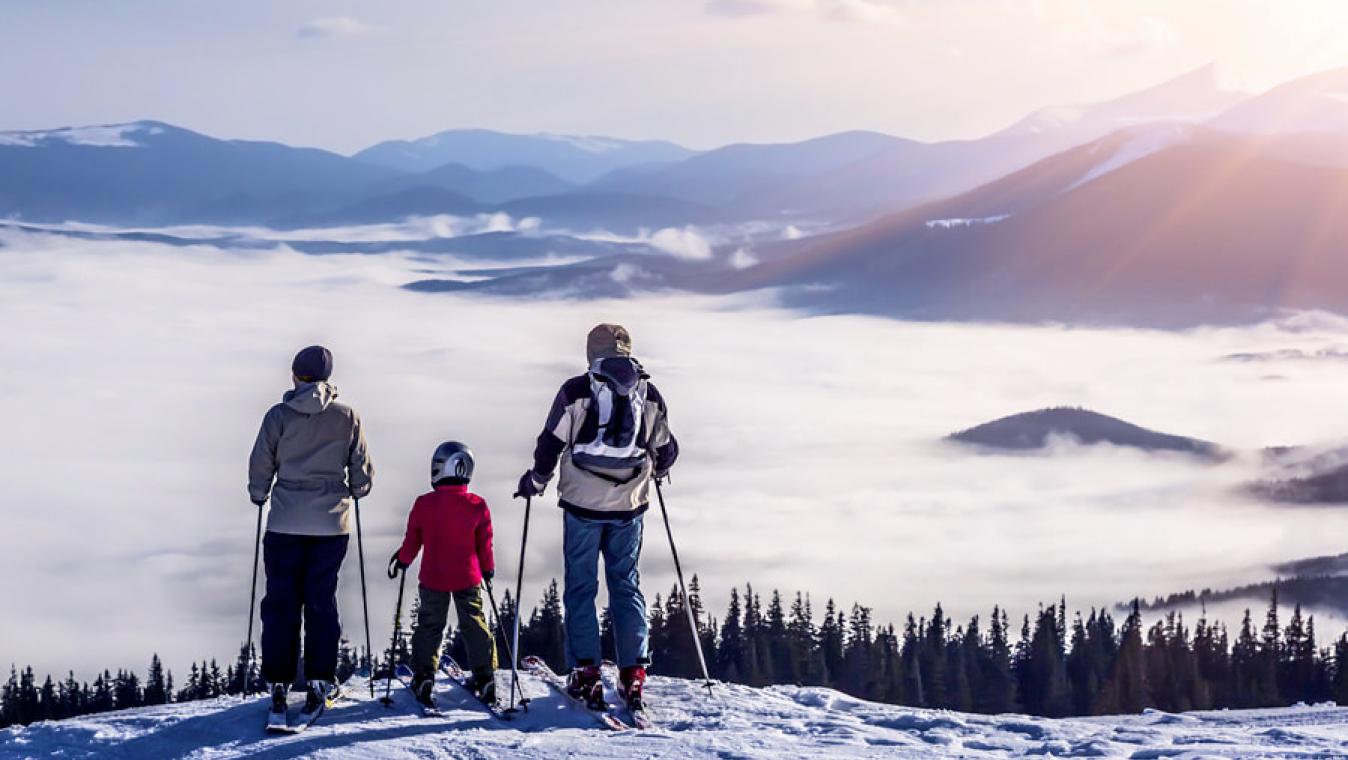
column 454, row 526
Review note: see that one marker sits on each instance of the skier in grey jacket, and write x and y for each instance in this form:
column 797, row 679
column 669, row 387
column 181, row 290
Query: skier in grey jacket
column 310, row 458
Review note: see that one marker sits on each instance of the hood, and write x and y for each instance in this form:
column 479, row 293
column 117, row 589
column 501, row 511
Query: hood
column 310, row 398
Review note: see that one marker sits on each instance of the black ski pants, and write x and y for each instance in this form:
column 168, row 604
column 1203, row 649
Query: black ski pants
column 301, row 588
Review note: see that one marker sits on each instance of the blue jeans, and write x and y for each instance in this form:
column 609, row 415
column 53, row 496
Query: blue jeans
column 620, row 542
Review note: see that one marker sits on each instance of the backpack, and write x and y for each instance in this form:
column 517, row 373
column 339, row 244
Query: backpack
column 612, row 435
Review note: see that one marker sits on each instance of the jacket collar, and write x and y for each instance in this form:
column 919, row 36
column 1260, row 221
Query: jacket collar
column 451, row 488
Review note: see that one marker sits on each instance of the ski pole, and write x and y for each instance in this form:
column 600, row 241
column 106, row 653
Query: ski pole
column 397, row 627
column 496, row 613
column 687, row 603
column 515, row 637
column 252, row 602
column 364, row 600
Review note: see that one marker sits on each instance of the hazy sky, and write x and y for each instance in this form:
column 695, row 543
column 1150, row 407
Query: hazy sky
column 343, row 74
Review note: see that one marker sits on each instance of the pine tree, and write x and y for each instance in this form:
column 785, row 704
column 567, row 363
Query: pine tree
column 156, row 690
column 935, row 682
column 785, row 668
column 1245, row 669
column 72, row 696
column 1043, row 671
column 830, row 645
column 998, row 692
column 47, row 705
column 1339, row 683
column 101, row 700
column 126, row 690
column 544, row 635
column 706, row 625
column 911, row 663
column 30, row 706
column 9, row 699
column 962, row 671
column 1126, row 689
column 729, row 660
column 680, row 652
column 755, row 651
column 859, row 657
column 801, row 636
column 1269, row 658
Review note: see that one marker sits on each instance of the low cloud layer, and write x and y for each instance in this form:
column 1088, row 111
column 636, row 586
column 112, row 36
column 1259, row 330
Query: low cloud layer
column 135, row 377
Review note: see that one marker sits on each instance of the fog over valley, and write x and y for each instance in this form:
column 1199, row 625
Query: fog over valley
column 814, row 451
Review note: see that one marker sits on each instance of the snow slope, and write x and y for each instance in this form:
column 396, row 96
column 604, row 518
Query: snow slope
column 739, row 723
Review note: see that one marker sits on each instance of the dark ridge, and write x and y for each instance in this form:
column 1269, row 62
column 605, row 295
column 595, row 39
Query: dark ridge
column 1032, row 430
column 1330, row 487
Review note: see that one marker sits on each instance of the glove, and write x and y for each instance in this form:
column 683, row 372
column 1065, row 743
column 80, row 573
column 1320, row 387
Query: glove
column 258, row 503
column 661, row 476
column 530, row 485
column 396, row 565
column 487, row 575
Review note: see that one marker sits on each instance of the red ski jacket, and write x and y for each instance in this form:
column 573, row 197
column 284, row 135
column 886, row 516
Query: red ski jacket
column 455, row 527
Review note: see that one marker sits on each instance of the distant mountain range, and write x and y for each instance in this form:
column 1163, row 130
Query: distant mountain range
column 1037, row 429
column 1177, row 205
column 152, row 172
column 574, row 159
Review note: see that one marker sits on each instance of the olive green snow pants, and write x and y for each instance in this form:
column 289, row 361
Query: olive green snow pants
column 430, row 631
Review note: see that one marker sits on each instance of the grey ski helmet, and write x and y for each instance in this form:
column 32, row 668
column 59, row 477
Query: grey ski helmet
column 452, row 460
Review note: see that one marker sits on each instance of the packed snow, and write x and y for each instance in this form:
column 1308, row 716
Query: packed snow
column 737, row 722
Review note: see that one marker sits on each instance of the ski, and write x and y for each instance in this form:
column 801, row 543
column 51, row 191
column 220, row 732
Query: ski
column 404, row 675
column 459, row 677
column 606, row 718
column 641, row 718
column 304, row 720
column 277, row 723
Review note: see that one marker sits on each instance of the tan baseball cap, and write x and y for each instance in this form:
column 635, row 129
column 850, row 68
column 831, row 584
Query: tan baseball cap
column 606, row 341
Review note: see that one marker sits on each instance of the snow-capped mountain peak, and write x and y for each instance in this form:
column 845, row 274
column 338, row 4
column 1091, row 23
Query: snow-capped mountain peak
column 99, row 135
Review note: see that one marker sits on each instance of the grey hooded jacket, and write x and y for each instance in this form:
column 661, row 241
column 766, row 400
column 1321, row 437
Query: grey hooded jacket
column 314, row 450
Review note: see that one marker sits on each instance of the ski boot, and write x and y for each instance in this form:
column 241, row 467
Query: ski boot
column 424, row 690
column 276, row 715
column 319, row 697
column 586, row 683
column 632, row 680
column 484, row 686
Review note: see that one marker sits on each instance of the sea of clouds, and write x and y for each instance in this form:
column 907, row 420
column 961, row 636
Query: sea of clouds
column 135, row 375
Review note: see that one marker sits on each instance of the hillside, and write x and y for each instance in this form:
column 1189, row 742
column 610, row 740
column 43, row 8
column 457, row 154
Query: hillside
column 739, row 722
column 1145, row 227
column 1329, row 487
column 1035, row 430
column 1313, row 592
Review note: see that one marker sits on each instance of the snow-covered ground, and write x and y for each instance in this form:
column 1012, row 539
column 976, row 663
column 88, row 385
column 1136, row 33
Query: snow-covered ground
column 738, row 723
